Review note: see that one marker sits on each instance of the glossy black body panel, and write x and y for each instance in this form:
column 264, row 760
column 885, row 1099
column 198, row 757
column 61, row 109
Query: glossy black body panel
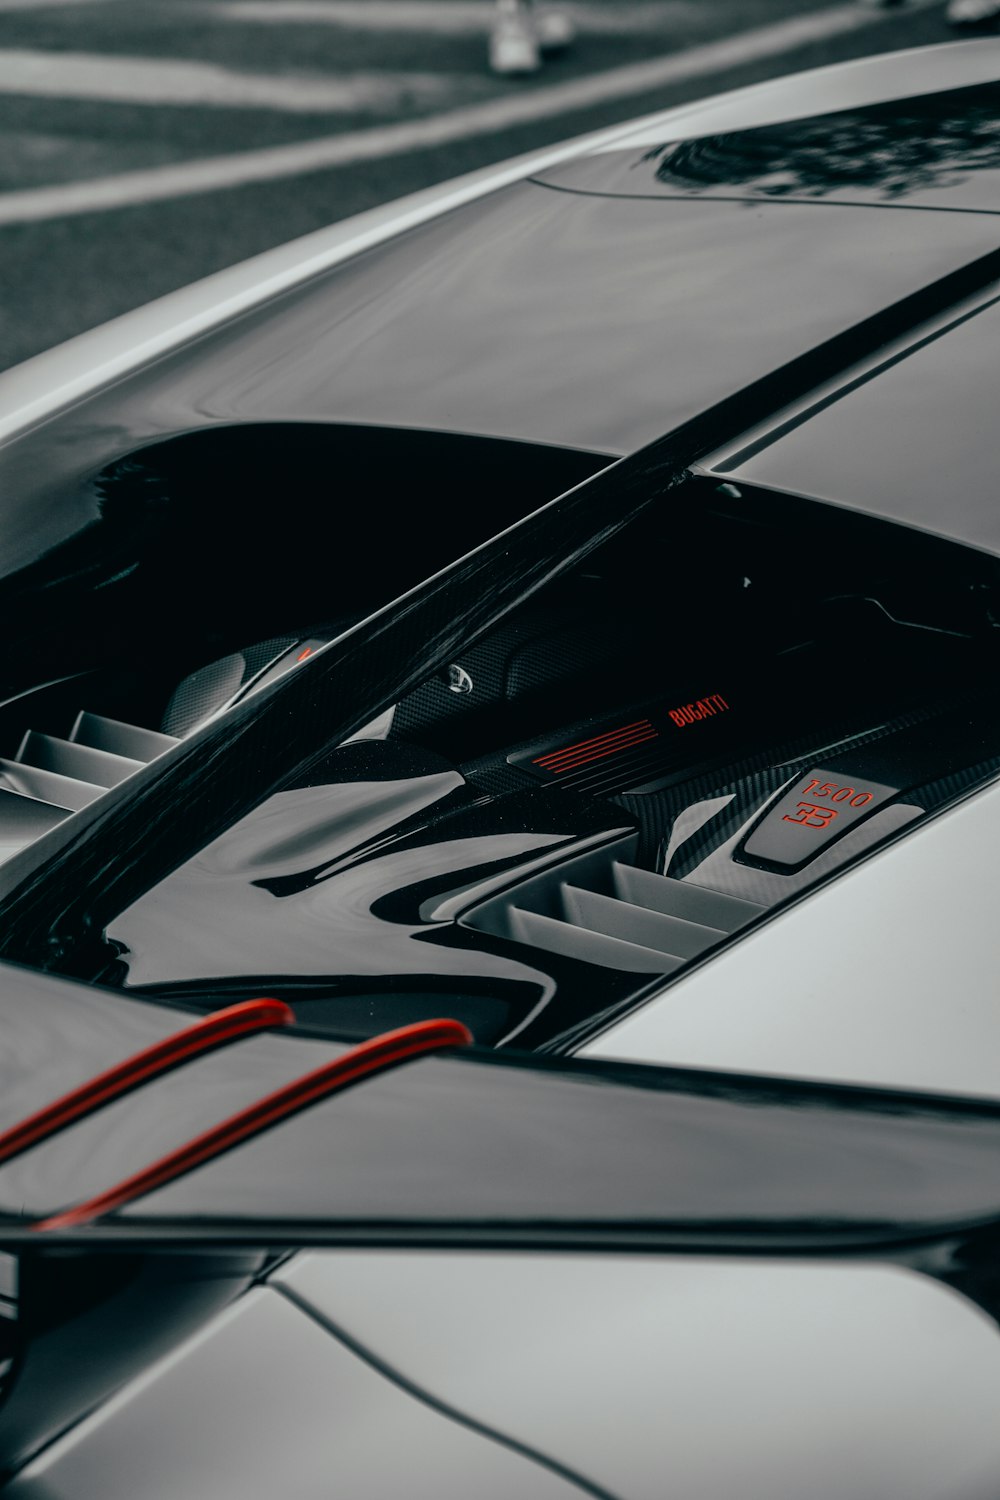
column 352, row 894
column 940, row 151
column 910, row 445
column 335, row 897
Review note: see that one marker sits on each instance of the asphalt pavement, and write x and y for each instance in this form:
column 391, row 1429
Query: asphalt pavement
column 146, row 143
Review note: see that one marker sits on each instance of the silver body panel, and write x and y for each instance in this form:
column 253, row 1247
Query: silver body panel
column 886, row 977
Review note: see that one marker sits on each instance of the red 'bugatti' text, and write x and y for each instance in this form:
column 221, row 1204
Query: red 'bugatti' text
column 705, row 708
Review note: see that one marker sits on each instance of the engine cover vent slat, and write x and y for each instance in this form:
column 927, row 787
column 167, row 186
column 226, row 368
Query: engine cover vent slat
column 674, row 936
column 47, row 786
column 118, row 738
column 52, row 778
column 540, row 931
column 24, row 819
column 79, row 762
column 598, row 907
column 678, row 898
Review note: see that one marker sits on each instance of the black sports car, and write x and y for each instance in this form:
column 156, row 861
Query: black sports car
column 500, row 747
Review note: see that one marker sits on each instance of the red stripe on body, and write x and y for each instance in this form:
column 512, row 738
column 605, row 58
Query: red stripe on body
column 206, row 1035
column 373, row 1056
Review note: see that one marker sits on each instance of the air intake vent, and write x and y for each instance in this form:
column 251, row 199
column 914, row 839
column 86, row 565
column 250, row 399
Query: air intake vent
column 50, row 778
column 116, row 738
column 78, row 762
column 602, row 909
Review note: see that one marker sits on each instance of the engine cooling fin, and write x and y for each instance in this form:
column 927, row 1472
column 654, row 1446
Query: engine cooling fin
column 50, row 778
column 605, row 910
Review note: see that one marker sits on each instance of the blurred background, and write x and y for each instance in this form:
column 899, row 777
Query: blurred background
column 149, row 142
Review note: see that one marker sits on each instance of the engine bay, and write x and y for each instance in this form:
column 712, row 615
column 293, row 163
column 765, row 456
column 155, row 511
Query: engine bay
column 736, row 697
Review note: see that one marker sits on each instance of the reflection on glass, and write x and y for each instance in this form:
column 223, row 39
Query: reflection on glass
column 891, row 149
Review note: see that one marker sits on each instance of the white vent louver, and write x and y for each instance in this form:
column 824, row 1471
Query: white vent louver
column 50, row 778
column 606, row 911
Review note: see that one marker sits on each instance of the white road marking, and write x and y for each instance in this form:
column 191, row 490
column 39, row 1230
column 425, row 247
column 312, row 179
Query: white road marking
column 452, row 17
column 143, row 80
column 213, row 174
column 6, row 5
